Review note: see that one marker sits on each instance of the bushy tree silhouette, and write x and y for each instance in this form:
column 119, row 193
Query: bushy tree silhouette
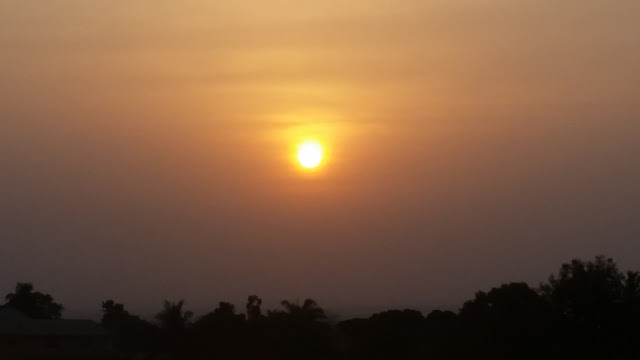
column 443, row 335
column 33, row 303
column 393, row 334
column 132, row 334
column 586, row 291
column 511, row 321
column 113, row 314
column 631, row 288
column 593, row 298
column 220, row 333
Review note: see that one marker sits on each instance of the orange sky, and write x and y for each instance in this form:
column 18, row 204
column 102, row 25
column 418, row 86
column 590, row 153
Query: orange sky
column 141, row 136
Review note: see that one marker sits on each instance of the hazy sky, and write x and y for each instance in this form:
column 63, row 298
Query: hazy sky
column 146, row 148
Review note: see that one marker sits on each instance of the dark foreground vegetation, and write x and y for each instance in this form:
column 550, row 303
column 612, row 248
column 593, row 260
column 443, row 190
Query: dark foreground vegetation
column 589, row 310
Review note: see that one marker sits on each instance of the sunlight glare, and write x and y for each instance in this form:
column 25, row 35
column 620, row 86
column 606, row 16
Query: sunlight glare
column 310, row 154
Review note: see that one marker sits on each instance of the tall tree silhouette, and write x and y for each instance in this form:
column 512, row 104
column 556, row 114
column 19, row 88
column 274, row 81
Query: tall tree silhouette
column 511, row 321
column 223, row 317
column 113, row 314
column 33, row 303
column 173, row 325
column 298, row 331
column 254, row 312
column 220, row 333
column 589, row 297
column 308, row 311
column 631, row 288
column 173, row 318
column 586, row 291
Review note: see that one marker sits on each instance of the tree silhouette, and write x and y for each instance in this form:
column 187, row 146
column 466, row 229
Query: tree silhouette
column 131, row 332
column 392, row 334
column 308, row 311
column 173, row 325
column 220, row 333
column 631, row 288
column 223, row 317
column 511, row 321
column 442, row 331
column 588, row 310
column 586, row 291
column 628, row 317
column 32, row 303
column 173, row 318
column 113, row 314
column 297, row 331
column 590, row 298
column 254, row 312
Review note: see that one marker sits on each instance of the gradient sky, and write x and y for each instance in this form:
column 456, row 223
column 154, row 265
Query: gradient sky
column 145, row 148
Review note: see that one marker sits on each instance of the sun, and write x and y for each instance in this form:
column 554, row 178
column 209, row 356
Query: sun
column 310, row 154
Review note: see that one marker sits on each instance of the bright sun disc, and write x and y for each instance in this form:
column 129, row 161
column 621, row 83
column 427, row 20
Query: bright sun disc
column 310, row 154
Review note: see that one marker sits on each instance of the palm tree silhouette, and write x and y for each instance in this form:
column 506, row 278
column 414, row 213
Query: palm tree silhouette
column 173, row 318
column 308, row 311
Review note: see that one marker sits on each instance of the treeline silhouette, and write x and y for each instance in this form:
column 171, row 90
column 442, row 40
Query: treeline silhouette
column 588, row 310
